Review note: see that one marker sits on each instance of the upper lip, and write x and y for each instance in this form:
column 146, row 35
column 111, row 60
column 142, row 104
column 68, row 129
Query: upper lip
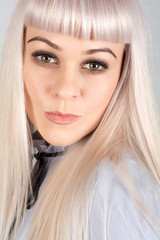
column 64, row 114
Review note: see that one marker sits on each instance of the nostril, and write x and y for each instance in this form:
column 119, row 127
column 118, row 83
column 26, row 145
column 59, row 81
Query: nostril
column 65, row 94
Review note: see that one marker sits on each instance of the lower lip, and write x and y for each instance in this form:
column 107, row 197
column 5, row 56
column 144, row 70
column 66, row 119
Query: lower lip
column 61, row 118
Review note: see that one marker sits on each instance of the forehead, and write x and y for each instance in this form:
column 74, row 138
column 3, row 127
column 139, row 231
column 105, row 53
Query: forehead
column 62, row 42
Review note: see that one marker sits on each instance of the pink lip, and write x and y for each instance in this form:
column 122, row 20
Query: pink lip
column 61, row 118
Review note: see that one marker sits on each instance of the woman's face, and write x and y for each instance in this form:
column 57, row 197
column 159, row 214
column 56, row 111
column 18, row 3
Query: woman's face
column 68, row 83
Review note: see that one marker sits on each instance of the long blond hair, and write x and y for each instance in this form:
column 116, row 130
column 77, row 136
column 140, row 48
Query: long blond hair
column 129, row 124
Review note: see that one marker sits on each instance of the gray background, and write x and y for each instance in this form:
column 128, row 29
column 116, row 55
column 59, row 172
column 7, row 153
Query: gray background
column 151, row 10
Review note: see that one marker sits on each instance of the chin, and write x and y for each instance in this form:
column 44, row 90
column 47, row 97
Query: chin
column 60, row 143
column 58, row 140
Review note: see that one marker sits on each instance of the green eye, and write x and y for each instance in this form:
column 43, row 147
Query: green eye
column 46, row 59
column 94, row 66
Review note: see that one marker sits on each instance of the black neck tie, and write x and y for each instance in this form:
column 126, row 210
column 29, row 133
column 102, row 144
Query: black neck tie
column 44, row 154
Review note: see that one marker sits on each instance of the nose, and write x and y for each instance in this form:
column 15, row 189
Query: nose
column 67, row 84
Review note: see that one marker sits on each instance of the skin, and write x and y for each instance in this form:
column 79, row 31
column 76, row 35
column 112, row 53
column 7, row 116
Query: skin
column 68, row 83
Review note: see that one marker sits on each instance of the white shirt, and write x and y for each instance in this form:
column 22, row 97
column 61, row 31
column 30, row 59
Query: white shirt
column 113, row 215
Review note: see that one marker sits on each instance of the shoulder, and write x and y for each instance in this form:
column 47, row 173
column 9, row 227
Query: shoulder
column 114, row 215
column 23, row 230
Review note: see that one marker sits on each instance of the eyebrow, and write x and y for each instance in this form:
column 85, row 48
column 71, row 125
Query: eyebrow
column 92, row 51
column 41, row 39
column 55, row 46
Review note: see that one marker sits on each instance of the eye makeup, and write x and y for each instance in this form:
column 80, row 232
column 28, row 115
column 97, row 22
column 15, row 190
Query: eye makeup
column 95, row 66
column 48, row 59
column 41, row 58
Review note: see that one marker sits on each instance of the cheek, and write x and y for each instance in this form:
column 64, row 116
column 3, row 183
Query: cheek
column 34, row 87
column 101, row 93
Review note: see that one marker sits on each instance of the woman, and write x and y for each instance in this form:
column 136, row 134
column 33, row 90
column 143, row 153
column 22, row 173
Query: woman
column 79, row 135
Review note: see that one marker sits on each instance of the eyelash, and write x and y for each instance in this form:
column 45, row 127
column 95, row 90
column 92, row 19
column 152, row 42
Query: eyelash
column 37, row 54
column 101, row 64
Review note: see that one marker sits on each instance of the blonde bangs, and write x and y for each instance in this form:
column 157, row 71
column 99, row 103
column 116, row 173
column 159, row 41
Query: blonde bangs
column 106, row 20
